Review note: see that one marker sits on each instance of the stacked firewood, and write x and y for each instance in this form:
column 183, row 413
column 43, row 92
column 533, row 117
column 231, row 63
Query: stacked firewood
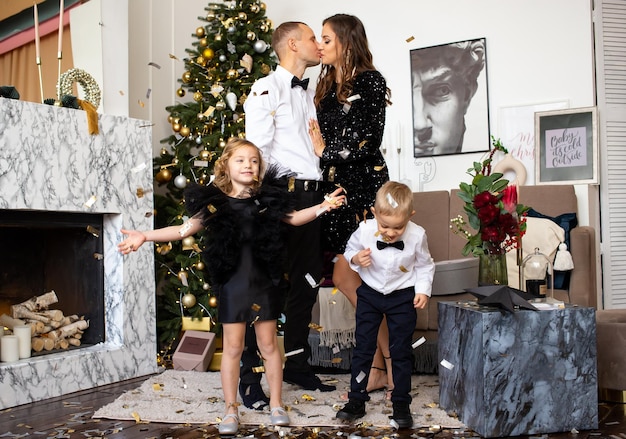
column 50, row 329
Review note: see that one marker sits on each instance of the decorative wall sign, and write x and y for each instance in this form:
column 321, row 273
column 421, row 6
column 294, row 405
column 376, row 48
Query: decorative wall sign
column 566, row 146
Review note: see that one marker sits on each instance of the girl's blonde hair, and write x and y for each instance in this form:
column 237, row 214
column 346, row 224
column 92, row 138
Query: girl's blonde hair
column 222, row 179
column 394, row 198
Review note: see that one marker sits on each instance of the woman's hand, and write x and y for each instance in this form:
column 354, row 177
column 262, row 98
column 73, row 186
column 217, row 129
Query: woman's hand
column 134, row 240
column 316, row 137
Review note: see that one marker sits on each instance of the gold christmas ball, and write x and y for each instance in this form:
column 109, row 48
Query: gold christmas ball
column 220, row 105
column 232, row 74
column 206, row 287
column 203, row 42
column 164, row 249
column 184, row 131
column 175, row 161
column 170, row 118
column 200, row 32
column 187, row 77
column 204, row 155
column 210, row 16
column 265, row 69
column 188, row 300
column 208, row 53
column 241, row 135
column 200, row 265
column 163, row 176
column 176, row 127
column 264, row 27
column 180, row 92
column 222, row 143
column 242, row 16
column 163, row 152
column 176, row 120
column 263, row 6
column 201, row 61
column 188, row 242
column 218, row 37
column 251, row 36
column 213, row 302
column 197, row 96
column 254, row 8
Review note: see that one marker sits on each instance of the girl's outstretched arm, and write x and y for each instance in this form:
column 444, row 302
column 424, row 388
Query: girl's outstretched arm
column 136, row 238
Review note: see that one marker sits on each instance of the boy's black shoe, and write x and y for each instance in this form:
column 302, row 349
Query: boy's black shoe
column 354, row 409
column 402, row 414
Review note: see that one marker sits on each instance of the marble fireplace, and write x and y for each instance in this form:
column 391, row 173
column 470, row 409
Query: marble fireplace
column 49, row 162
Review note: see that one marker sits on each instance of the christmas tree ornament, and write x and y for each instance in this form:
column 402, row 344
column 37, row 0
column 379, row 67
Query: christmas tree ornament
column 264, row 27
column 222, row 143
column 254, row 8
column 200, row 265
column 213, row 302
column 163, row 176
column 184, row 131
column 206, row 286
column 265, row 69
column 246, row 62
column 170, row 118
column 251, row 36
column 232, row 74
column 208, row 53
column 231, row 29
column 197, row 96
column 180, row 92
column 222, row 58
column 242, row 16
column 200, row 32
column 199, row 140
column 175, row 161
column 201, row 61
column 220, row 105
column 210, row 16
column 231, row 100
column 163, row 152
column 260, row 46
column 176, row 127
column 180, row 181
column 188, row 300
column 218, row 37
column 188, row 242
column 204, row 155
column 203, row 42
column 186, row 77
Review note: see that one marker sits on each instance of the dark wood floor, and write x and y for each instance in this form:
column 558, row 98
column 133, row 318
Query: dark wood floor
column 70, row 417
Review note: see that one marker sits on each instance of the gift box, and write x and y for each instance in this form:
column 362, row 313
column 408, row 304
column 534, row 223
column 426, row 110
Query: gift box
column 195, row 351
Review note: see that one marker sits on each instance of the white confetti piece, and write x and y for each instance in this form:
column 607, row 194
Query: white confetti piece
column 392, row 202
column 90, row 201
column 294, row 352
column 360, row 377
column 353, row 98
column 447, row 364
column 418, row 342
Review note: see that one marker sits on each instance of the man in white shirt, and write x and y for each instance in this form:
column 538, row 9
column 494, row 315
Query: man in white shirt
column 277, row 111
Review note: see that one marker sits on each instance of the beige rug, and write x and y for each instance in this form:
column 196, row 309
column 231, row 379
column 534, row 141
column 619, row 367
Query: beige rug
column 196, row 398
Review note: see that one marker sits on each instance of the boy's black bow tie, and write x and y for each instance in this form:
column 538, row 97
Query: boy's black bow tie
column 304, row 83
column 382, row 244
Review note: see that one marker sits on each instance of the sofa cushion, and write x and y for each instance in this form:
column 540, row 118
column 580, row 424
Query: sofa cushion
column 540, row 233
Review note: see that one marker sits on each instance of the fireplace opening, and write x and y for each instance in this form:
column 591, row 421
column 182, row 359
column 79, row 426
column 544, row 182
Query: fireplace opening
column 60, row 251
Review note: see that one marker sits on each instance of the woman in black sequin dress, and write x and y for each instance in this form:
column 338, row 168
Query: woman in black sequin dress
column 351, row 99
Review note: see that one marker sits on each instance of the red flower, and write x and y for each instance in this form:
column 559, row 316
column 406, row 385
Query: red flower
column 488, row 214
column 484, row 199
column 509, row 198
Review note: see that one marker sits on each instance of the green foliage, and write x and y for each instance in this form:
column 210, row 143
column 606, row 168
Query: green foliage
column 229, row 51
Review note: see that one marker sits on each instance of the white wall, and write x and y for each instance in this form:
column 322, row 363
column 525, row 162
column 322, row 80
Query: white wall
column 538, row 52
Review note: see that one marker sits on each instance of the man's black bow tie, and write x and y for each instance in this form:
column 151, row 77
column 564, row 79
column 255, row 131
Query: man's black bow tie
column 304, row 83
column 382, row 244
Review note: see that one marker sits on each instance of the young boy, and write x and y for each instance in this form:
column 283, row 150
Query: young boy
column 391, row 255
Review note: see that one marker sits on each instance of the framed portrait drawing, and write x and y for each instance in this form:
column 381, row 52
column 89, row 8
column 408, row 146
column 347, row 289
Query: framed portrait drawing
column 566, row 146
column 450, row 99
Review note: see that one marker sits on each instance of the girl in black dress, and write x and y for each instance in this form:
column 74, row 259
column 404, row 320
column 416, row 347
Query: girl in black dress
column 242, row 215
column 351, row 99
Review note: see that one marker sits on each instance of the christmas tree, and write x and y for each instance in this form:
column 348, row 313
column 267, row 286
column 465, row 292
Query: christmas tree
column 229, row 52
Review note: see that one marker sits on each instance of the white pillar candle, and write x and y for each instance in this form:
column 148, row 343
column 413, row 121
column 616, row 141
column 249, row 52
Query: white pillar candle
column 22, row 332
column 9, row 350
column 1, row 330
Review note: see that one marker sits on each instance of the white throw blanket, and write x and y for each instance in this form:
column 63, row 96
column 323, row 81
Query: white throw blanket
column 337, row 319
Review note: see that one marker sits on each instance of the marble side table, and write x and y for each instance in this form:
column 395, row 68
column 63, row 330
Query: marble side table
column 522, row 373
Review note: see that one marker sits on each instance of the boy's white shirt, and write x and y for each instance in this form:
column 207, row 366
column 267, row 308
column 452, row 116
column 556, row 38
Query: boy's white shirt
column 393, row 269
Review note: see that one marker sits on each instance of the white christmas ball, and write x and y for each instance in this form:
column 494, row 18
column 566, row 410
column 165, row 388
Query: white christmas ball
column 222, row 58
column 180, row 181
column 260, row 46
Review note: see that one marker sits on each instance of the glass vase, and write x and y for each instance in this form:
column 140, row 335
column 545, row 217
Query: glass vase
column 492, row 270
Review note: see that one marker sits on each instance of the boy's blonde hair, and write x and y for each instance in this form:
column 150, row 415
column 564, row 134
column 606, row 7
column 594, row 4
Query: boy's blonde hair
column 394, row 198
column 222, row 179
